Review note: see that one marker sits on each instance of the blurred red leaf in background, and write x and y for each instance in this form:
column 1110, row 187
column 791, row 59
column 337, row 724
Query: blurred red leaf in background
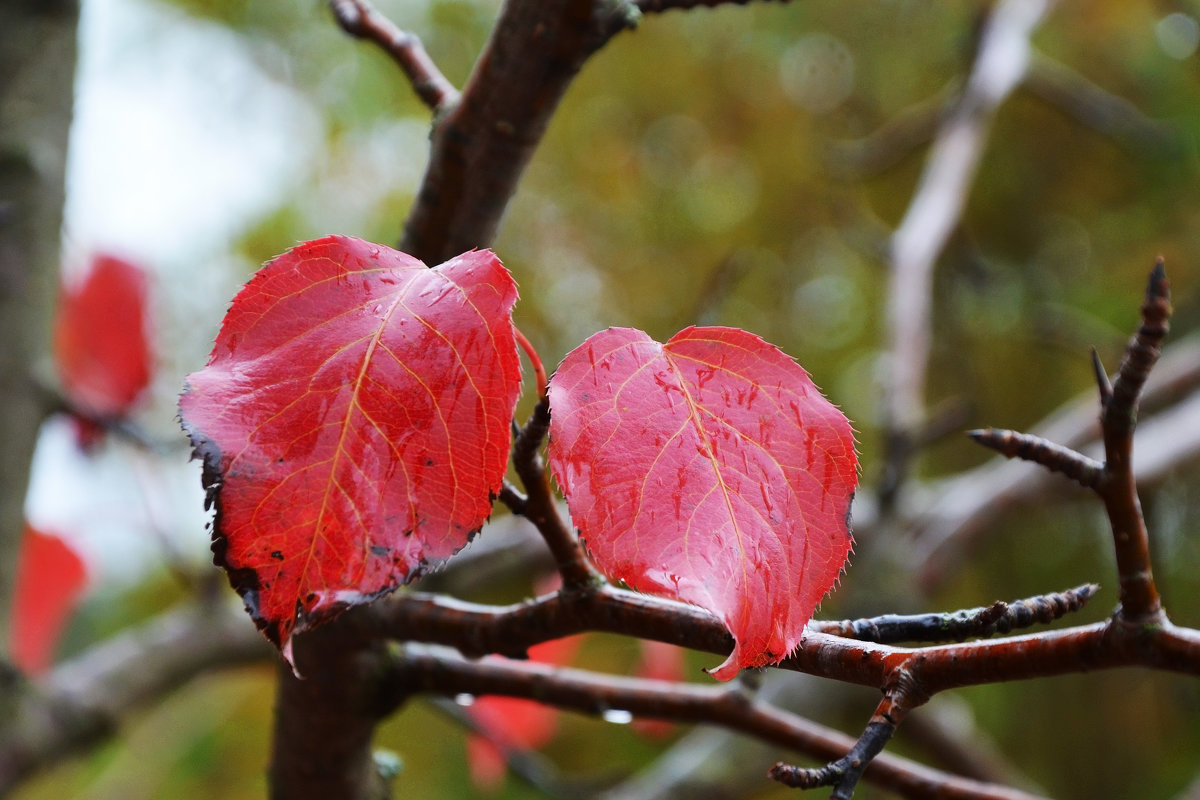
column 50, row 578
column 101, row 347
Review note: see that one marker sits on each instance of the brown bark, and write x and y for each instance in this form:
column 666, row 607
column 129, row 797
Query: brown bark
column 37, row 70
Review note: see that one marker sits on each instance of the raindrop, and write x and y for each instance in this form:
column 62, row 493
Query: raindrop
column 1178, row 35
column 617, row 716
column 817, row 73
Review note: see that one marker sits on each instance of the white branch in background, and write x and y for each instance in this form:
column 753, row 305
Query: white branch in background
column 1004, row 57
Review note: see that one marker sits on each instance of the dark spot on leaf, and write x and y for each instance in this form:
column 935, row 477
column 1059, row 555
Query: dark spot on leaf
column 379, row 550
column 277, row 555
column 429, row 462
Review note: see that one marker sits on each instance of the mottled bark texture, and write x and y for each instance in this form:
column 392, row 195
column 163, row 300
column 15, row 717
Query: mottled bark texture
column 37, row 73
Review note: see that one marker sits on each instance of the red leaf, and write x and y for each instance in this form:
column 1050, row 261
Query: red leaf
column 711, row 470
column 354, row 422
column 508, row 724
column 50, row 577
column 100, row 342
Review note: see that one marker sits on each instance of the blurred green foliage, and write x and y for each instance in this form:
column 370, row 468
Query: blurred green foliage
column 698, row 172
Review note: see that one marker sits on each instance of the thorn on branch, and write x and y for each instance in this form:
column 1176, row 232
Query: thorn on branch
column 1085, row 471
column 360, row 19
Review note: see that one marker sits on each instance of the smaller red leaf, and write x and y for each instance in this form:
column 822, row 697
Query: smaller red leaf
column 50, row 578
column 101, row 346
column 709, row 469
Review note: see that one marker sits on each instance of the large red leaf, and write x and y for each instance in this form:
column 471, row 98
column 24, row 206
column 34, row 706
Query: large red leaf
column 100, row 343
column 711, row 470
column 50, row 577
column 354, row 423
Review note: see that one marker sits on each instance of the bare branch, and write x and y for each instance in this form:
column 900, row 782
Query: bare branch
column 658, row 6
column 360, row 19
column 957, row 510
column 444, row 672
column 478, row 630
column 1139, row 596
column 1000, row 617
column 1100, row 110
column 1085, row 471
column 844, row 773
column 481, row 146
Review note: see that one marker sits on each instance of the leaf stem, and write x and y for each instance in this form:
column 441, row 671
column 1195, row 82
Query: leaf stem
column 540, row 507
column 539, row 371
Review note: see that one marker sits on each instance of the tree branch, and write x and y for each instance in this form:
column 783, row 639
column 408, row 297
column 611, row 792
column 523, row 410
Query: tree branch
column 360, row 19
column 477, row 630
column 959, row 508
column 540, row 507
column 84, row 700
column 481, row 146
column 445, row 672
column 1139, row 596
column 1085, row 471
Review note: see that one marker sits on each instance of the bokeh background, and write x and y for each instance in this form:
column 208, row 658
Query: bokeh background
column 739, row 166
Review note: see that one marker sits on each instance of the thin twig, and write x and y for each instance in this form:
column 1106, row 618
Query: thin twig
column 962, row 506
column 540, row 507
column 957, row 626
column 1085, row 471
column 1140, row 602
column 360, row 19
column 844, row 773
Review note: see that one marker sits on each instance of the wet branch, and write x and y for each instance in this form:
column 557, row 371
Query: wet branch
column 84, row 700
column 445, row 672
